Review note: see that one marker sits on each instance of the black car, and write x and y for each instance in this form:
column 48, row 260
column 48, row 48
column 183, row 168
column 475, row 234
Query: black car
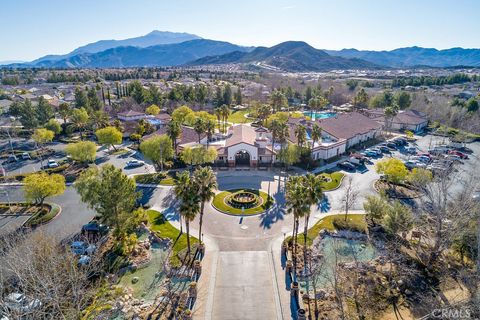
column 347, row 166
column 384, row 149
column 392, row 145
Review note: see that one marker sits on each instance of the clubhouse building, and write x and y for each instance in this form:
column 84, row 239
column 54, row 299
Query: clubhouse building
column 244, row 145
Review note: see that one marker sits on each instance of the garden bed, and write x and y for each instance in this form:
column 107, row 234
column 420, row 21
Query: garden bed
column 221, row 202
column 354, row 222
column 161, row 178
column 396, row 191
column 331, row 181
column 158, row 224
column 38, row 214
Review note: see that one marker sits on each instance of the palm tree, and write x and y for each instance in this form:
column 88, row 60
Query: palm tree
column 181, row 189
column 313, row 195
column 173, row 131
column 206, row 182
column 296, row 204
column 263, row 112
column 278, row 100
column 210, row 129
column 218, row 113
column 199, row 126
column 225, row 111
column 189, row 209
column 301, row 135
column 316, row 134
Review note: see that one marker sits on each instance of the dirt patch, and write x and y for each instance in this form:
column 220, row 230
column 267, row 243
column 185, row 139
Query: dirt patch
column 396, row 191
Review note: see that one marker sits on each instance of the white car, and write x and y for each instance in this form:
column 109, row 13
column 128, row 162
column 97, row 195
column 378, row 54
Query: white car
column 135, row 163
column 52, row 164
column 26, row 156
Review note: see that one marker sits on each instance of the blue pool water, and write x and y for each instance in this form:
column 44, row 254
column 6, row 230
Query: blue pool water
column 319, row 115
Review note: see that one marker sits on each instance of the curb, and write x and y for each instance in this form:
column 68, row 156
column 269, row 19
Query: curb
column 47, row 222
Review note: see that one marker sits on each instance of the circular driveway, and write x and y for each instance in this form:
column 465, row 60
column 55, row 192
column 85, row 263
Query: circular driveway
column 234, row 233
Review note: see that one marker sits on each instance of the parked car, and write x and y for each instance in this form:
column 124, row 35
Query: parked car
column 399, row 142
column 458, row 153
column 384, row 149
column 411, row 150
column 12, row 158
column 410, row 164
column 370, row 153
column 377, row 150
column 135, row 163
column 347, row 166
column 26, row 156
column 18, row 302
column 392, row 145
column 454, row 157
column 79, row 247
column 52, row 164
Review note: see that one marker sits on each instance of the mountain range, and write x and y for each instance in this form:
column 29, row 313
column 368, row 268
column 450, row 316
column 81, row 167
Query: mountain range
column 162, row 48
column 296, row 56
column 415, row 56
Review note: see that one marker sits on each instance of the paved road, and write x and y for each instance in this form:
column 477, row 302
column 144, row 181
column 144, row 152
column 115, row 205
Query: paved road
column 73, row 216
column 244, row 286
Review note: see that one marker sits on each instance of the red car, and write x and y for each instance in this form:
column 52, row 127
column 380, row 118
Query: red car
column 426, row 154
column 458, row 153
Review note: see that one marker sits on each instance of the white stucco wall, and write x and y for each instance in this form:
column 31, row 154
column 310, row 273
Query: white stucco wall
column 242, row 146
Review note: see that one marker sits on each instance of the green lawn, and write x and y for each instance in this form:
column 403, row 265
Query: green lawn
column 219, row 202
column 164, row 229
column 155, row 178
column 356, row 220
column 239, row 116
column 335, row 180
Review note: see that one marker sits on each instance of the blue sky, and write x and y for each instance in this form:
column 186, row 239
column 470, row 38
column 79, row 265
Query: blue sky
column 33, row 28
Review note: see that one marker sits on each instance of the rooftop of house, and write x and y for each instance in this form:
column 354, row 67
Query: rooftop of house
column 348, row 125
column 241, row 133
column 130, row 113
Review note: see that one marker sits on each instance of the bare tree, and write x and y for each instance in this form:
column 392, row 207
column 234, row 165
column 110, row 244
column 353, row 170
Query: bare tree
column 448, row 206
column 49, row 278
column 350, row 196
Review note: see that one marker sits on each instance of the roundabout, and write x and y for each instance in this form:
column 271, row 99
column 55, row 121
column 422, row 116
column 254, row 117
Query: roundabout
column 242, row 202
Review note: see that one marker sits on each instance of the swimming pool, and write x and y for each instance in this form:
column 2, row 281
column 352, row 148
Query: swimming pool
column 319, row 115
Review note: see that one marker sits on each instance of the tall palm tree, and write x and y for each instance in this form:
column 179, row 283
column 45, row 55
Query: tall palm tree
column 225, row 111
column 181, row 189
column 218, row 113
column 189, row 208
column 199, row 126
column 278, row 100
column 206, row 182
column 313, row 195
column 301, row 135
column 173, row 131
column 296, row 204
column 210, row 130
column 316, row 134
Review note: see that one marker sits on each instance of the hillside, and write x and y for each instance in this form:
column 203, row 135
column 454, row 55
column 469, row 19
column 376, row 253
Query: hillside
column 151, row 39
column 415, row 56
column 160, row 55
column 295, row 56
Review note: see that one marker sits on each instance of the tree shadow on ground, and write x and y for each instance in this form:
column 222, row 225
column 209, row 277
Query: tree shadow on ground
column 324, row 205
column 277, row 211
